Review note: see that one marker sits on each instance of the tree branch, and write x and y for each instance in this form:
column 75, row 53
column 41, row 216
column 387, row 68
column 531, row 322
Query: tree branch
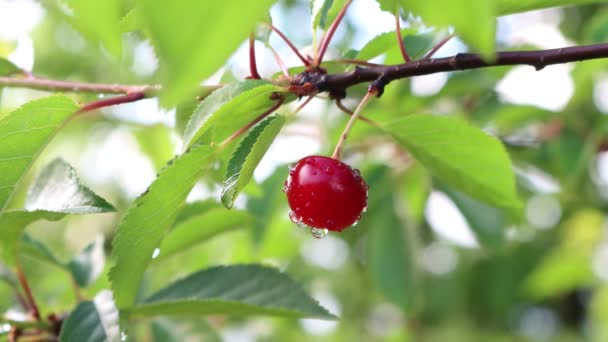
column 337, row 83
column 311, row 82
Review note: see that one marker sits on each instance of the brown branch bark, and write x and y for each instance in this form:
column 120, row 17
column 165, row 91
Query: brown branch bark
column 337, row 83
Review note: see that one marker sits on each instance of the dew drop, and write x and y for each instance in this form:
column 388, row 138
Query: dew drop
column 329, row 171
column 319, row 233
column 364, row 209
column 303, row 225
column 295, row 218
column 310, row 161
column 356, row 222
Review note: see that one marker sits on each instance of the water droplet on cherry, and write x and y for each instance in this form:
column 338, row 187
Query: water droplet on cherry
column 319, row 233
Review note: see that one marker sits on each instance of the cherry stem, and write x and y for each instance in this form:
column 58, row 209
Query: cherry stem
column 290, row 44
column 340, row 146
column 28, row 293
column 437, row 47
column 404, row 53
column 244, row 129
column 346, row 110
column 279, row 61
column 329, row 34
column 253, row 67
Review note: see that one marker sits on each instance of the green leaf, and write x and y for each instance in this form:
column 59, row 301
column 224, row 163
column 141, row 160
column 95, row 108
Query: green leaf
column 88, row 265
column 227, row 109
column 485, row 221
column 99, row 21
column 12, row 224
column 514, row 6
column 55, row 193
column 85, row 267
column 323, row 13
column 39, row 250
column 472, row 20
column 460, row 155
column 204, row 33
column 58, row 189
column 247, row 157
column 23, row 135
column 390, row 255
column 149, row 218
column 416, row 44
column 236, row 290
column 265, row 207
column 92, row 321
column 202, row 227
column 7, row 68
column 568, row 265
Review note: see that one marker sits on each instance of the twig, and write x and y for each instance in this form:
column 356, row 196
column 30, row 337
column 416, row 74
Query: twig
column 252, row 123
column 279, row 61
column 355, row 62
column 462, row 61
column 329, row 34
column 290, row 44
column 112, row 101
column 404, row 53
column 25, row 324
column 437, row 47
column 253, row 66
column 33, row 307
column 77, row 87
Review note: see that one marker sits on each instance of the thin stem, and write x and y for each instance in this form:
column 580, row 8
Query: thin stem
column 329, row 34
column 355, row 62
column 112, row 101
column 340, row 145
column 252, row 123
column 346, row 110
column 404, row 53
column 28, row 293
column 21, row 300
column 279, row 61
column 437, row 47
column 25, row 324
column 77, row 87
column 293, row 48
column 253, row 67
column 307, row 101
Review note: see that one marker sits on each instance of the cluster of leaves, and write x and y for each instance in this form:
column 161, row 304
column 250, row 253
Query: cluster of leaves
column 159, row 228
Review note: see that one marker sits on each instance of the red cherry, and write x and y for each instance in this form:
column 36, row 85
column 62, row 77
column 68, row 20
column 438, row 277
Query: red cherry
column 325, row 193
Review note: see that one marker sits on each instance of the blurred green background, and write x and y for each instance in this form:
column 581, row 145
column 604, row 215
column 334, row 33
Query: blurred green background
column 425, row 263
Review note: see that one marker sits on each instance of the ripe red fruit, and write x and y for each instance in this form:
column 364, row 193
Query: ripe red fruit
column 325, row 193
